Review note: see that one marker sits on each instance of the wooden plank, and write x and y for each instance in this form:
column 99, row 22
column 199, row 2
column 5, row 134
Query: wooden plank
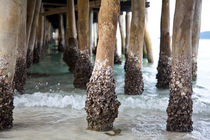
column 55, row 11
column 60, row 10
column 53, row 4
column 92, row 4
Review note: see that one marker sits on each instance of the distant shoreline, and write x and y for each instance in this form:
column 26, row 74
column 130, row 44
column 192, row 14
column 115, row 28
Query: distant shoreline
column 205, row 35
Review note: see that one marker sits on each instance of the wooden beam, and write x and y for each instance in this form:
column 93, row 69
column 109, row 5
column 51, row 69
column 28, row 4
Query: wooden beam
column 53, row 4
column 92, row 4
column 60, row 10
column 54, row 11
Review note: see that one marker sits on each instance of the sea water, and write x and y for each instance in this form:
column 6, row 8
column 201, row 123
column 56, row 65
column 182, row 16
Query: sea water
column 52, row 109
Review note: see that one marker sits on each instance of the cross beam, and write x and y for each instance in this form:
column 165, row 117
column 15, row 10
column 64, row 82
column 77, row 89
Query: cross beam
column 55, row 11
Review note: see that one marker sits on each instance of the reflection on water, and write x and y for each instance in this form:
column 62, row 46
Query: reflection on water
column 53, row 109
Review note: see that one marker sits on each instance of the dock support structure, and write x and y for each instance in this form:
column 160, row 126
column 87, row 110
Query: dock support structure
column 38, row 48
column 101, row 103
column 180, row 104
column 164, row 63
column 20, row 68
column 196, row 37
column 9, row 28
column 128, row 26
column 33, row 30
column 147, row 40
column 83, row 67
column 70, row 55
column 134, row 84
column 61, row 40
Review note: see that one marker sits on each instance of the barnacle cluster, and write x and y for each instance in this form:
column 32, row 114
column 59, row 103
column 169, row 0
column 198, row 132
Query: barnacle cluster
column 101, row 103
column 180, row 103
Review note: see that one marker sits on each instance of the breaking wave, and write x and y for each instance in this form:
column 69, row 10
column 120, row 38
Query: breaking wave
column 77, row 101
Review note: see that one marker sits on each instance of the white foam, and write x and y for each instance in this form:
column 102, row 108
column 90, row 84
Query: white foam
column 77, row 101
column 39, row 99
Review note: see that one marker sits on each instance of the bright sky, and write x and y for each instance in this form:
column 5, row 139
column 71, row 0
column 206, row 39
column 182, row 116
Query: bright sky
column 154, row 13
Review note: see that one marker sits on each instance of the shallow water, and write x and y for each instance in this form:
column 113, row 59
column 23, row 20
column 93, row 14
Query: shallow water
column 53, row 109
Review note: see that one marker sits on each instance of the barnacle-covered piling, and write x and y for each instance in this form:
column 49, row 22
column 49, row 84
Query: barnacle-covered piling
column 133, row 77
column 70, row 55
column 83, row 67
column 101, row 103
column 180, row 104
column 9, row 26
column 20, row 68
column 164, row 63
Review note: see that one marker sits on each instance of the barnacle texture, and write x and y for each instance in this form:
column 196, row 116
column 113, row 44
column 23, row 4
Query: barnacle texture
column 180, row 104
column 101, row 103
column 134, row 84
column 6, row 98
column 20, row 75
column 70, row 54
column 194, row 71
column 82, row 70
column 164, row 72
